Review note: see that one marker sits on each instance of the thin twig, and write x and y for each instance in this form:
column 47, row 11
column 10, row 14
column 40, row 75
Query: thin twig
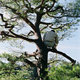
column 45, row 23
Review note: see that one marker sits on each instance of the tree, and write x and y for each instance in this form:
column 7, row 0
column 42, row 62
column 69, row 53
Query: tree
column 38, row 15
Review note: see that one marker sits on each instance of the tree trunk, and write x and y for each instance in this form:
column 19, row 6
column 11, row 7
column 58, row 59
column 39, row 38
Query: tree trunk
column 43, row 56
column 40, row 72
column 42, row 65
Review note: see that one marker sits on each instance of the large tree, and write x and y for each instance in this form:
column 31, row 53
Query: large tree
column 38, row 16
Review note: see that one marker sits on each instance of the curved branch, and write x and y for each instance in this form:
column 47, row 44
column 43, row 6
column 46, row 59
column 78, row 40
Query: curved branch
column 60, row 27
column 57, row 8
column 31, row 33
column 31, row 54
column 15, row 35
column 6, row 34
column 43, row 28
column 51, row 6
column 63, row 54
column 22, row 37
column 25, row 19
column 2, row 17
column 45, row 23
column 29, row 23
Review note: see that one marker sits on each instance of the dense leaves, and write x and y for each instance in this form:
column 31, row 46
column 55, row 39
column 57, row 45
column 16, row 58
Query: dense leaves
column 65, row 71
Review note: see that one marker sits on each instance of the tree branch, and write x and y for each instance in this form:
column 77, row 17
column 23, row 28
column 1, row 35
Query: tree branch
column 22, row 37
column 25, row 19
column 28, row 4
column 2, row 18
column 51, row 6
column 32, row 54
column 42, row 1
column 45, row 23
column 6, row 34
column 10, row 30
column 26, row 60
column 29, row 23
column 16, row 36
column 57, row 8
column 43, row 28
column 63, row 54
column 31, row 33
column 29, row 62
column 60, row 27
column 63, row 25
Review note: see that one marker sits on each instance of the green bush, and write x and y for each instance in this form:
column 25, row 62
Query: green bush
column 58, row 71
column 64, row 71
column 12, row 71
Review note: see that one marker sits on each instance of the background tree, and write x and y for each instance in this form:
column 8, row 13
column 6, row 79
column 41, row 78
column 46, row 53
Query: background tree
column 38, row 16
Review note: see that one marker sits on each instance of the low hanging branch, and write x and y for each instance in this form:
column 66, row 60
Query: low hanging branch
column 63, row 54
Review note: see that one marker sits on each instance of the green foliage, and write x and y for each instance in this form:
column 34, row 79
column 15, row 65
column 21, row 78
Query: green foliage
column 58, row 71
column 12, row 74
column 36, row 1
column 65, row 71
column 61, row 72
column 12, row 71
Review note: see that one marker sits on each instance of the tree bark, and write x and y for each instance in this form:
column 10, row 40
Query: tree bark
column 42, row 65
column 42, row 61
column 43, row 53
